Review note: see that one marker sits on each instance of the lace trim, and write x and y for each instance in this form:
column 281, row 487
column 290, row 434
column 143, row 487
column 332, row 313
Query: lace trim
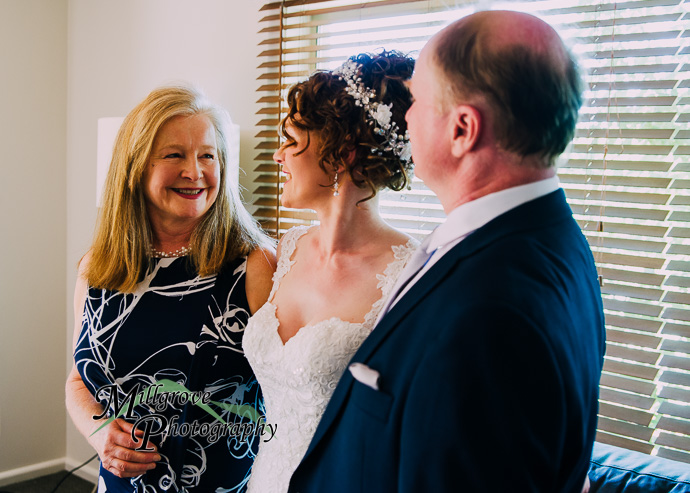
column 285, row 262
column 402, row 254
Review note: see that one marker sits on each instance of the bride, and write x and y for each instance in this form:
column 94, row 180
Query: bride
column 345, row 139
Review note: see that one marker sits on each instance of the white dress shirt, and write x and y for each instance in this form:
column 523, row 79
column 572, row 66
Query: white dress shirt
column 467, row 218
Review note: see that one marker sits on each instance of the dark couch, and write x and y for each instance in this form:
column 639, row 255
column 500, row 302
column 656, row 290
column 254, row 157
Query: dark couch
column 616, row 470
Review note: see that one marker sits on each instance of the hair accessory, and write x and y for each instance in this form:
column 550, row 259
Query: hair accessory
column 378, row 114
column 336, row 186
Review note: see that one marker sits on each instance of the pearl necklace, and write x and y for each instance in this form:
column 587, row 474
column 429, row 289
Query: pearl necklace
column 180, row 252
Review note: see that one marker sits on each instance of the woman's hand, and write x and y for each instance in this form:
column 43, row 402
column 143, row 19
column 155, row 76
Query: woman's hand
column 117, row 450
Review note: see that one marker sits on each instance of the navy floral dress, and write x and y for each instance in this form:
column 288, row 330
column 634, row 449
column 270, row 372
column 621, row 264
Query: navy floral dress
column 185, row 331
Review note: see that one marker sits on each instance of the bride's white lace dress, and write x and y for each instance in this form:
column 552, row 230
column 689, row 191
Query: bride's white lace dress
column 298, row 378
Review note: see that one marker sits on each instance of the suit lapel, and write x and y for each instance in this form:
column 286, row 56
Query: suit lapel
column 538, row 213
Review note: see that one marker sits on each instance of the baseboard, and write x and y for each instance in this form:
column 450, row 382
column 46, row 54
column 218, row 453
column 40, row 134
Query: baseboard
column 32, row 471
column 89, row 472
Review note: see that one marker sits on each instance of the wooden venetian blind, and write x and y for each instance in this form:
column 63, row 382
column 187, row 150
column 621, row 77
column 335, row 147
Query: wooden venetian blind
column 626, row 175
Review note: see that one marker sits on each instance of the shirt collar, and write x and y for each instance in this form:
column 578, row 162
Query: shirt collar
column 471, row 216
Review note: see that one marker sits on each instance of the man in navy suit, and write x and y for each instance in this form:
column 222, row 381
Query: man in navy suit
column 483, row 374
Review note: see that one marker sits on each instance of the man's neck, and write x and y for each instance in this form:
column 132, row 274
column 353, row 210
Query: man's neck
column 478, row 178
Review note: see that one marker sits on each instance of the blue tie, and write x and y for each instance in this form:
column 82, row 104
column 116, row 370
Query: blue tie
column 423, row 258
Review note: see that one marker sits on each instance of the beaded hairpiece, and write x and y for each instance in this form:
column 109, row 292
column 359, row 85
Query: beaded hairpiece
column 378, row 114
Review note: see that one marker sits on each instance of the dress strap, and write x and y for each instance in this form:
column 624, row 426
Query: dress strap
column 288, row 245
column 401, row 254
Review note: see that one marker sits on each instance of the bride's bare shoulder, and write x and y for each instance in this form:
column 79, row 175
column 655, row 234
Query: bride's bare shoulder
column 396, row 237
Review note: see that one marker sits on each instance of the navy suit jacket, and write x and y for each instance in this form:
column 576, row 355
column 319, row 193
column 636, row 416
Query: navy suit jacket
column 490, row 368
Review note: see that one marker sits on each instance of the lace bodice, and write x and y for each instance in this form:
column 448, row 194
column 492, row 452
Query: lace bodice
column 298, row 378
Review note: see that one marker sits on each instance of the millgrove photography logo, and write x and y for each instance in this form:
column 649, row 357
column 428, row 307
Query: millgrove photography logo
column 166, row 393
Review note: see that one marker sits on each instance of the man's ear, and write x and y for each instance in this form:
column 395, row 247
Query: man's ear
column 466, row 125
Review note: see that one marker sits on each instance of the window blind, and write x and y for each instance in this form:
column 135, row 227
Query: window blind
column 626, row 174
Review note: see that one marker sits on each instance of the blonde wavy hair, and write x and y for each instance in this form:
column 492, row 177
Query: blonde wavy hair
column 120, row 250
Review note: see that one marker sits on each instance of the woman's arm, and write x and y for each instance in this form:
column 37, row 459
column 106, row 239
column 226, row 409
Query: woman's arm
column 261, row 264
column 113, row 443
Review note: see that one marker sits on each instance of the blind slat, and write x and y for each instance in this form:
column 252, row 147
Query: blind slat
column 621, row 441
column 628, row 384
column 633, row 323
column 674, row 425
column 675, row 441
column 673, row 455
column 676, row 346
column 623, row 428
column 639, row 340
column 675, row 410
column 631, row 354
column 676, row 330
column 625, row 414
column 675, row 394
column 631, row 369
column 626, row 399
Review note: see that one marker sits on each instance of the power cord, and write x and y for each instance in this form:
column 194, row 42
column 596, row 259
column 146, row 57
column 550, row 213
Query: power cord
column 69, row 473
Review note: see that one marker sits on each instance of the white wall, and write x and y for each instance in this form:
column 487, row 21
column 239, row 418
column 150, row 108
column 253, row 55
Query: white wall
column 118, row 52
column 33, row 75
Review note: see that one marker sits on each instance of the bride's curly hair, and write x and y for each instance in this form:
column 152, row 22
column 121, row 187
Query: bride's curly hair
column 321, row 105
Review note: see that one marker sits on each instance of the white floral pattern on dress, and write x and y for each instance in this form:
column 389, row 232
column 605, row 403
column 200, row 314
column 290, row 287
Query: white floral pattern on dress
column 298, row 378
column 183, row 327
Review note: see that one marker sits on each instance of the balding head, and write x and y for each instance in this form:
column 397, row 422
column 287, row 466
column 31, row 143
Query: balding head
column 518, row 65
column 504, row 30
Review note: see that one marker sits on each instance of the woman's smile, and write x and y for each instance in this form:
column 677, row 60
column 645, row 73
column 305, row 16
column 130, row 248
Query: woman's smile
column 189, row 193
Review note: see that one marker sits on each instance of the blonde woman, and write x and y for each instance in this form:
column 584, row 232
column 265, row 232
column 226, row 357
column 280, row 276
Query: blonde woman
column 176, row 268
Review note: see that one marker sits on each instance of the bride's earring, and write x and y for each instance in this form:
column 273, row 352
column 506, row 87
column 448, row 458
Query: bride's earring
column 335, row 185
